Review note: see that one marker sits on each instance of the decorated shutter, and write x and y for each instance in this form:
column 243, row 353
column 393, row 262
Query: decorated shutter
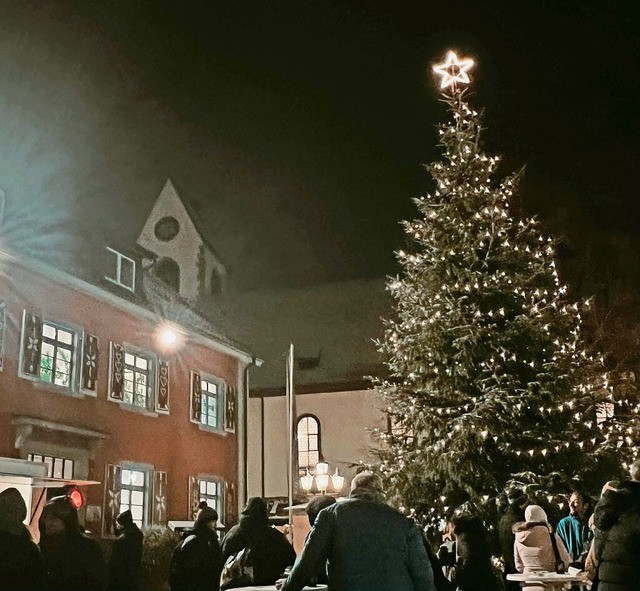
column 90, row 363
column 116, row 372
column 196, row 397
column 230, row 410
column 112, row 488
column 194, row 496
column 31, row 343
column 159, row 512
column 230, row 504
column 162, row 391
column 3, row 323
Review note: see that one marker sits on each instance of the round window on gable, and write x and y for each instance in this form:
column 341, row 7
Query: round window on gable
column 167, row 228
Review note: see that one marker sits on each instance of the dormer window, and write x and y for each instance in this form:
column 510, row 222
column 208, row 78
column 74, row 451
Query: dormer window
column 123, row 270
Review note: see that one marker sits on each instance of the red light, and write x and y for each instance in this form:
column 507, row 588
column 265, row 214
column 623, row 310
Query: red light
column 76, row 498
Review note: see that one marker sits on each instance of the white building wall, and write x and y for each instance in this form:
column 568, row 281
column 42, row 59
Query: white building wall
column 344, row 419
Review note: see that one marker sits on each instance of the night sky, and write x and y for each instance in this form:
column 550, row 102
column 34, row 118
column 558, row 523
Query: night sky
column 297, row 130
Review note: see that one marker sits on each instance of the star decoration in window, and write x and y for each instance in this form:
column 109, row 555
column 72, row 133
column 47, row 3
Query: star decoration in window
column 453, row 70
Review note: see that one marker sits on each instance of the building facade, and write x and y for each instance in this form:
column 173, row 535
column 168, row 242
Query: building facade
column 118, row 382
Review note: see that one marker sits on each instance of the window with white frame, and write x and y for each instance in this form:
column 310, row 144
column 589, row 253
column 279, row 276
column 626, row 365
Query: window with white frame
column 308, row 430
column 211, row 490
column 123, row 270
column 56, row 467
column 57, row 353
column 138, row 379
column 134, row 494
column 212, row 403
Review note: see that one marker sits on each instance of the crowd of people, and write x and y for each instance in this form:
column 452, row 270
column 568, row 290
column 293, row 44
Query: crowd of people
column 358, row 544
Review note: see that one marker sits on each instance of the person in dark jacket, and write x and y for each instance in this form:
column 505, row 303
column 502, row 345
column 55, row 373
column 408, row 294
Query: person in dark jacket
column 21, row 566
column 199, row 555
column 126, row 556
column 369, row 546
column 314, row 506
column 514, row 513
column 617, row 538
column 473, row 566
column 73, row 561
column 270, row 551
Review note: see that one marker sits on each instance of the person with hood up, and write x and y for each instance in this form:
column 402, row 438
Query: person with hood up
column 199, row 558
column 514, row 513
column 126, row 556
column 270, row 552
column 369, row 546
column 533, row 549
column 21, row 566
column 72, row 560
column 473, row 566
column 617, row 537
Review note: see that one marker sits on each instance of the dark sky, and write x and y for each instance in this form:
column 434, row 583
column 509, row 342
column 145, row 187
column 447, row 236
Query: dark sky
column 297, row 129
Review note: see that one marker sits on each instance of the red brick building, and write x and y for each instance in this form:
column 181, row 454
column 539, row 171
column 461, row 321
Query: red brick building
column 91, row 385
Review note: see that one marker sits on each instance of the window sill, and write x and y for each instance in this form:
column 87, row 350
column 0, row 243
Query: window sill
column 39, row 384
column 214, row 430
column 137, row 409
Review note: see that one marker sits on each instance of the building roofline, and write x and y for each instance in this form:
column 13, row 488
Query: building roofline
column 122, row 304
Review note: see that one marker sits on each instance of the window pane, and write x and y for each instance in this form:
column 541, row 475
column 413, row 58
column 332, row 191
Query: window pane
column 212, row 488
column 48, row 350
column 313, row 442
column 314, row 458
column 57, row 467
column 137, row 513
column 65, row 337
column 137, row 497
column 49, row 462
column 125, row 478
column 203, row 487
column 141, row 362
column 125, row 495
column 137, row 478
column 68, row 469
column 127, row 272
column 48, row 331
column 129, row 359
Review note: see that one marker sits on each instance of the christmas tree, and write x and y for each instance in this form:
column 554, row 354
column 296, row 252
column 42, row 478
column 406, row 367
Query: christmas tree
column 489, row 383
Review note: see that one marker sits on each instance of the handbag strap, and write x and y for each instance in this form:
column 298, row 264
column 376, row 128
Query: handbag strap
column 556, row 553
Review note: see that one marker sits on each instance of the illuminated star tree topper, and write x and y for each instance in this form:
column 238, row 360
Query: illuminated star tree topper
column 453, row 73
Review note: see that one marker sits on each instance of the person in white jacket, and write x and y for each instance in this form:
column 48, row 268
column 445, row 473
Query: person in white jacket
column 533, row 550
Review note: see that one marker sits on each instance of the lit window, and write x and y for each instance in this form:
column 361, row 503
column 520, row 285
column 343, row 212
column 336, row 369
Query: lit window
column 56, row 358
column 56, row 467
column 134, row 488
column 124, row 270
column 137, row 379
column 604, row 412
column 211, row 492
column 308, row 442
column 211, row 406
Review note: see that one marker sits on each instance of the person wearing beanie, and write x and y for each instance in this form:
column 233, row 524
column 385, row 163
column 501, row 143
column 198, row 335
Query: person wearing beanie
column 197, row 560
column 126, row 555
column 533, row 549
column 368, row 545
column 72, row 560
column 270, row 551
column 21, row 566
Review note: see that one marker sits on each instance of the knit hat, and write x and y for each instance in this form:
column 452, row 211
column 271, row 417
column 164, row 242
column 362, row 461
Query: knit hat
column 205, row 515
column 535, row 514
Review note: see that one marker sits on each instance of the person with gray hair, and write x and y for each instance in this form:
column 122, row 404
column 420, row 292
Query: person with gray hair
column 368, row 545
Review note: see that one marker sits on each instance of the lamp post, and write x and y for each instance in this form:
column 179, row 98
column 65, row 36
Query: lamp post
column 322, row 478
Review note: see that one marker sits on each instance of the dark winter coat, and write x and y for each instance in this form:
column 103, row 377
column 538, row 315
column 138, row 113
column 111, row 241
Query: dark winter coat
column 126, row 556
column 617, row 538
column 21, row 566
column 514, row 514
column 473, row 568
column 72, row 561
column 369, row 546
column 200, row 560
column 271, row 553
